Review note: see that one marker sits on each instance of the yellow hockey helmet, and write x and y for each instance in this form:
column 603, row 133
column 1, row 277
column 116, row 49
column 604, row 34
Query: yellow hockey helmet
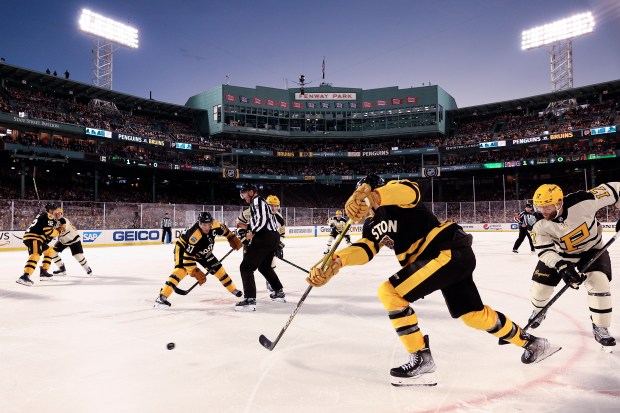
column 273, row 200
column 547, row 194
column 339, row 212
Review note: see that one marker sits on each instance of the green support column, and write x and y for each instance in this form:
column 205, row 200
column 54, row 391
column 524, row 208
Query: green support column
column 96, row 185
column 516, row 185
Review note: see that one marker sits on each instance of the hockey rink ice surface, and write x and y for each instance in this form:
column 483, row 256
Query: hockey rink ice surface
column 95, row 344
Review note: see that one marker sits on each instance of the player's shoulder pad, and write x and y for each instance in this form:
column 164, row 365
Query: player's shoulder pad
column 577, row 197
column 216, row 224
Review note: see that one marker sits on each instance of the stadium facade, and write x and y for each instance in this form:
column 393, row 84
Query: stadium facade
column 239, row 131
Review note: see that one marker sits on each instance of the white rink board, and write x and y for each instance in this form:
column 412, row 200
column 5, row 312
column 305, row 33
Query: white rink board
column 11, row 240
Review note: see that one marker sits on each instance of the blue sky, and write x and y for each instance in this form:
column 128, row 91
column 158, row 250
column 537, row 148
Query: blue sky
column 471, row 48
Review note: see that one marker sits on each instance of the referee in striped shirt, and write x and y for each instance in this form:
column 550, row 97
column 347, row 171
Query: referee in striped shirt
column 263, row 232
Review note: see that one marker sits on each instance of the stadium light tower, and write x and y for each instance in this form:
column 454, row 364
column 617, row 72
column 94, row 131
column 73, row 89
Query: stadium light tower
column 108, row 35
column 558, row 38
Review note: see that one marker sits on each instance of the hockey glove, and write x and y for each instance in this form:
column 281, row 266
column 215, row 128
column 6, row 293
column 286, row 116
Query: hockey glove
column 569, row 273
column 235, row 242
column 319, row 277
column 280, row 250
column 200, row 276
column 359, row 203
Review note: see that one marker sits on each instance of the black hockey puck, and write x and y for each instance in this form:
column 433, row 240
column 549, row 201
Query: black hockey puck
column 170, row 346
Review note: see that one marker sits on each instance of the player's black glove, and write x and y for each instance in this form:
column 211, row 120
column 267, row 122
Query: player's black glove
column 569, row 273
column 280, row 250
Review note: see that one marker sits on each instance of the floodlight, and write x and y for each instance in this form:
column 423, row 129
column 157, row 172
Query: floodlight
column 558, row 37
column 109, row 29
column 564, row 29
column 109, row 34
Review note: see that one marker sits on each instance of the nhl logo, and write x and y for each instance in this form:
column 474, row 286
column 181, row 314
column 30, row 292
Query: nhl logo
column 430, row 172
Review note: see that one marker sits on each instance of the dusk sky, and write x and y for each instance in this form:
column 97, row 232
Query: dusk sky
column 471, row 48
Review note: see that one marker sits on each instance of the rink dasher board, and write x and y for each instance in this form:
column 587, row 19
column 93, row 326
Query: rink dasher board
column 11, row 240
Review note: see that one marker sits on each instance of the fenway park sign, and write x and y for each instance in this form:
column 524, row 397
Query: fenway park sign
column 326, row 96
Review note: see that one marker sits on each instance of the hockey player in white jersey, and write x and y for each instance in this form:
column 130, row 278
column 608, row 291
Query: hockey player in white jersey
column 566, row 239
column 337, row 224
column 68, row 237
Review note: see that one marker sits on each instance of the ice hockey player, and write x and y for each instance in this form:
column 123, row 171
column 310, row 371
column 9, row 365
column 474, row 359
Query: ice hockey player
column 37, row 238
column 68, row 237
column 195, row 245
column 525, row 219
column 264, row 235
column 566, row 239
column 433, row 256
column 274, row 204
column 337, row 224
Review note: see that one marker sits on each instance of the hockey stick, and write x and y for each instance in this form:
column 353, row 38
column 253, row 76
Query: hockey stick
column 17, row 236
column 185, row 292
column 541, row 313
column 270, row 345
column 294, row 265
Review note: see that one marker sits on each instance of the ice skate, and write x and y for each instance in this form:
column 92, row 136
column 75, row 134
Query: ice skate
column 417, row 371
column 602, row 336
column 539, row 320
column 326, row 251
column 24, row 280
column 278, row 296
column 162, row 302
column 236, row 293
column 246, row 305
column 44, row 275
column 89, row 271
column 515, row 251
column 538, row 349
column 61, row 270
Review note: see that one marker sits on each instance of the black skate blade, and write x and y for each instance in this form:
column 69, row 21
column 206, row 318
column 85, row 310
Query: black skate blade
column 425, row 380
column 265, row 342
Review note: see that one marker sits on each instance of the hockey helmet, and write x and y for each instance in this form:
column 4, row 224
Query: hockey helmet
column 339, row 212
column 248, row 186
column 547, row 194
column 50, row 206
column 273, row 200
column 205, row 218
column 60, row 211
column 374, row 180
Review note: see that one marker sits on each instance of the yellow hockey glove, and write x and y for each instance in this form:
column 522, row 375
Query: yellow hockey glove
column 360, row 202
column 200, row 276
column 319, row 277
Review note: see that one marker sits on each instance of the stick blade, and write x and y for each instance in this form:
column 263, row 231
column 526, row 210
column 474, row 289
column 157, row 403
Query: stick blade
column 265, row 342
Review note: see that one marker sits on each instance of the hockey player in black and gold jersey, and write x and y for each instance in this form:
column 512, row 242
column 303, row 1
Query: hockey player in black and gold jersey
column 37, row 237
column 567, row 237
column 433, row 256
column 195, row 245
